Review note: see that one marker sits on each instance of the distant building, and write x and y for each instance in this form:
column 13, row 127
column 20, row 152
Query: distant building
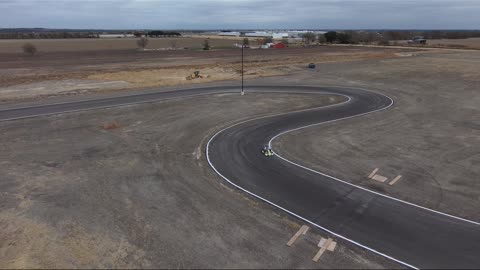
column 279, row 35
column 418, row 40
column 115, row 35
column 299, row 33
column 229, row 34
column 259, row 34
column 278, row 46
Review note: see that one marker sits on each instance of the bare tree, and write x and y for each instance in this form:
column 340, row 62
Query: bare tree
column 206, row 45
column 374, row 37
column 330, row 36
column 267, row 40
column 321, row 39
column 308, row 38
column 385, row 39
column 173, row 43
column 29, row 49
column 246, row 42
column 142, row 42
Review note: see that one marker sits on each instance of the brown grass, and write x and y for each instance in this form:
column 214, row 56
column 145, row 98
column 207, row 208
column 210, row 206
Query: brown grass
column 112, row 125
column 64, row 45
column 456, row 43
column 137, row 70
column 464, row 43
column 259, row 67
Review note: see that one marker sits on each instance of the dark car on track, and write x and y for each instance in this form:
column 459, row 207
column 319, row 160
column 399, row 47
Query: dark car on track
column 267, row 151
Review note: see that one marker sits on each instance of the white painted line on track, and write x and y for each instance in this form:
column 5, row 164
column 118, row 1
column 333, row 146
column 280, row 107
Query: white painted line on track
column 284, row 209
column 117, row 97
column 144, row 102
column 329, row 176
column 270, row 142
column 95, row 108
column 348, row 183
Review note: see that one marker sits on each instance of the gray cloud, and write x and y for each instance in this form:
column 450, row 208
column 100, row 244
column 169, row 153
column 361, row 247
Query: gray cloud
column 217, row 14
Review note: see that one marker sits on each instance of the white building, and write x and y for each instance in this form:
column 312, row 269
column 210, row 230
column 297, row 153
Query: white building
column 229, row 34
column 116, row 36
column 300, row 33
column 259, row 34
column 280, row 35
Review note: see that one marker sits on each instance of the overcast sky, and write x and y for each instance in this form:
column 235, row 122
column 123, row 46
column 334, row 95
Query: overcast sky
column 227, row 14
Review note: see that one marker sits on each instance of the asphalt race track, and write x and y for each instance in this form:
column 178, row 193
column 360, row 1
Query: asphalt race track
column 411, row 235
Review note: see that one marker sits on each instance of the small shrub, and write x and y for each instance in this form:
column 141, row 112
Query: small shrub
column 142, row 42
column 206, row 45
column 330, row 36
column 309, row 37
column 344, row 38
column 384, row 42
column 29, row 49
column 267, row 40
column 173, row 44
column 321, row 39
column 112, row 125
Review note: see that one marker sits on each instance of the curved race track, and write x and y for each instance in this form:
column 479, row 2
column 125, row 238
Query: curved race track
column 406, row 233
column 413, row 236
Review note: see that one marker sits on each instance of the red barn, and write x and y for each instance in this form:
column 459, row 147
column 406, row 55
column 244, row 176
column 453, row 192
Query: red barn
column 278, row 46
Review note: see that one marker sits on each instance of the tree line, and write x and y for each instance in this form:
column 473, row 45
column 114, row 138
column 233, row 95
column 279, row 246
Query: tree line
column 47, row 35
column 65, row 35
column 382, row 37
column 157, row 33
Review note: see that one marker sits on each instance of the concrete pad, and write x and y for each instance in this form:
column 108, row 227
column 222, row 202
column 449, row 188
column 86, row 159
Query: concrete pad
column 322, row 242
column 331, row 247
column 303, row 230
column 322, row 250
column 373, row 173
column 395, row 180
column 379, row 178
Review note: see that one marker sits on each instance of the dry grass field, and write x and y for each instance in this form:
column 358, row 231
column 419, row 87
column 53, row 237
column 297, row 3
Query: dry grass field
column 470, row 43
column 431, row 136
column 66, row 45
column 129, row 187
column 464, row 43
column 94, row 69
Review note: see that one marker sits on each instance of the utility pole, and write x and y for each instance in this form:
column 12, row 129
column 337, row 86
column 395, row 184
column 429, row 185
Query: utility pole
column 243, row 92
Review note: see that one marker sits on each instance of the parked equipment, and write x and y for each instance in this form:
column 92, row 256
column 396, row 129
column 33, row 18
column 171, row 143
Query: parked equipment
column 194, row 75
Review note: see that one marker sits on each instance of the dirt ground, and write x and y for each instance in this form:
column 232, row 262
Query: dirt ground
column 103, row 44
column 470, row 43
column 431, row 137
column 462, row 43
column 78, row 191
column 79, row 72
column 74, row 194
